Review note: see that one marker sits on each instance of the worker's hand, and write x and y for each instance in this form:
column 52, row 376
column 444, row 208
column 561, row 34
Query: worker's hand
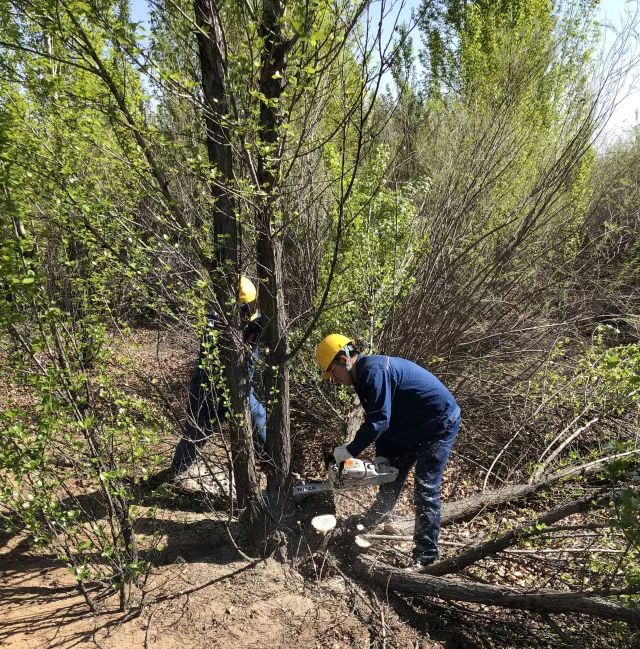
column 341, row 454
column 381, row 464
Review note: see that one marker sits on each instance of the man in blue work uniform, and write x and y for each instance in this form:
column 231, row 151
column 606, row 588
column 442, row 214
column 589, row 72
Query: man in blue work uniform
column 411, row 417
column 206, row 408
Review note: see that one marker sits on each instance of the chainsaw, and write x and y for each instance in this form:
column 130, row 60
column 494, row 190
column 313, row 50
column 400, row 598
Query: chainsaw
column 350, row 474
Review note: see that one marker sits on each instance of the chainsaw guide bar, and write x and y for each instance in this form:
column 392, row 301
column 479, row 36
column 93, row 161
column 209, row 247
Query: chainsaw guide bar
column 351, row 474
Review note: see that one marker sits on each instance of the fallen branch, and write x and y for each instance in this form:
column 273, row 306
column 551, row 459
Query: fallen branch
column 449, row 588
column 488, row 548
column 466, row 508
column 565, row 550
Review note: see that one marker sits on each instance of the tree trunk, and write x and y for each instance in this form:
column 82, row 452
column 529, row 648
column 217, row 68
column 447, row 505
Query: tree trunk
column 225, row 271
column 270, row 269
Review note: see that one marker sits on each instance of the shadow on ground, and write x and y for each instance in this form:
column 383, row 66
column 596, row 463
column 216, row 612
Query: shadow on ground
column 38, row 598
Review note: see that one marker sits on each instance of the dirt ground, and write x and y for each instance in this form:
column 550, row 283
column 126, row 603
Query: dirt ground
column 201, row 593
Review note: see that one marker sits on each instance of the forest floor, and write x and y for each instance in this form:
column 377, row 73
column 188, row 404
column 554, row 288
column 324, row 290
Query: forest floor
column 205, row 592
column 205, row 595
column 201, row 591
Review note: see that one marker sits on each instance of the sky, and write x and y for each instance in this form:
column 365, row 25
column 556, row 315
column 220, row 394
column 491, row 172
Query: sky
column 612, row 14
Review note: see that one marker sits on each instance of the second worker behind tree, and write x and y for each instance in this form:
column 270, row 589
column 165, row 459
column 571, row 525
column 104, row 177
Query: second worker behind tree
column 206, row 407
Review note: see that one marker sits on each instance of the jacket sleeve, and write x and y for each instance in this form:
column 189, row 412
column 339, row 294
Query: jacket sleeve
column 251, row 336
column 377, row 411
column 253, row 331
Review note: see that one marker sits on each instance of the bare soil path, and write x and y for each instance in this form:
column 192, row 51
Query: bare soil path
column 201, row 594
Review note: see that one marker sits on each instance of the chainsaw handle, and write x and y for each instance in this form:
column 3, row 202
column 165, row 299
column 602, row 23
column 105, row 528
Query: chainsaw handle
column 329, row 460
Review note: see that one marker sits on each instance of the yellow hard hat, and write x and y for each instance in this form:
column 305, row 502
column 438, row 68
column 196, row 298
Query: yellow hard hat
column 328, row 348
column 247, row 290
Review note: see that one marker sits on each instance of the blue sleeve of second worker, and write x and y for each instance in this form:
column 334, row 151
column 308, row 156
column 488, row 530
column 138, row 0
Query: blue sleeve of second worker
column 377, row 410
column 251, row 336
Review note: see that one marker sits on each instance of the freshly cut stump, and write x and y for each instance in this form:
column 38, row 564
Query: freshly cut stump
column 316, row 521
column 324, row 523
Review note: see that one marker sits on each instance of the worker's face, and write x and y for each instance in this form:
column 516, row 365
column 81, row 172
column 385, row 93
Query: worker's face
column 339, row 372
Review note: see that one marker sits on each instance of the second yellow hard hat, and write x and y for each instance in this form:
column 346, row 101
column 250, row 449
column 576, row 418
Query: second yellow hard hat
column 247, row 292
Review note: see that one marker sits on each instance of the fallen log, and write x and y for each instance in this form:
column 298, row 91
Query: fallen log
column 466, row 508
column 450, row 588
column 493, row 546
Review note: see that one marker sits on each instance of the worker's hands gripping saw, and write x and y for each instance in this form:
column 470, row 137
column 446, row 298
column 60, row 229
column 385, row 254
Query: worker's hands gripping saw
column 341, row 454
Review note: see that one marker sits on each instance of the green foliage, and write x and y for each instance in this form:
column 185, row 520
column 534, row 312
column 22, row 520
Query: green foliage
column 429, row 223
column 376, row 249
column 68, row 267
column 592, row 376
column 82, row 437
column 599, row 377
column 515, row 76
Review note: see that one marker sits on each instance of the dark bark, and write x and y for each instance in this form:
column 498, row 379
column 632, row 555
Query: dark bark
column 270, row 270
column 493, row 546
column 224, row 268
column 466, row 508
column 225, row 272
column 448, row 588
column 432, row 582
column 219, row 150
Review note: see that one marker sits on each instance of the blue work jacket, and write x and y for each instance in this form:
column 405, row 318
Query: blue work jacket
column 251, row 336
column 404, row 405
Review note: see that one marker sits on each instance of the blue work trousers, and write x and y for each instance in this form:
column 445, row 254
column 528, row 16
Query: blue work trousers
column 206, row 410
column 430, row 460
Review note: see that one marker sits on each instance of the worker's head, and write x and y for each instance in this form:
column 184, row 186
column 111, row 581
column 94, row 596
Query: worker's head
column 247, row 296
column 336, row 354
